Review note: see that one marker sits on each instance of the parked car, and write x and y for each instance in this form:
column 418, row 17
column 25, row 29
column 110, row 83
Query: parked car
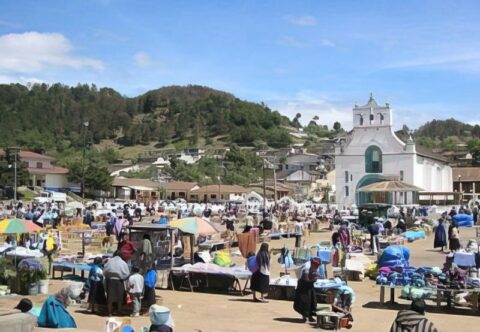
column 51, row 197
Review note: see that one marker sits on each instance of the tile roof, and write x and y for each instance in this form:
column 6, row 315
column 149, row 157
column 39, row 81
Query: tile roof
column 126, row 182
column 29, row 155
column 222, row 188
column 49, row 170
column 179, row 185
column 426, row 152
column 466, row 173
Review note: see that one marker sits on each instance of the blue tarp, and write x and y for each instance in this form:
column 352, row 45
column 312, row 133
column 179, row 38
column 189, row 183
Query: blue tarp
column 463, row 220
column 394, row 255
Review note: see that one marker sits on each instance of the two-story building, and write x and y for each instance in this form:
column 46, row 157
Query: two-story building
column 43, row 172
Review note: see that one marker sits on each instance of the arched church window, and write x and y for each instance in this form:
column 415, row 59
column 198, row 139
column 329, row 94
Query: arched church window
column 382, row 118
column 373, row 160
column 361, row 120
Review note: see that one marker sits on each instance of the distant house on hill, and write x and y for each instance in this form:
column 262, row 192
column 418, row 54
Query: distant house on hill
column 135, row 189
column 174, row 190
column 217, row 192
column 43, row 172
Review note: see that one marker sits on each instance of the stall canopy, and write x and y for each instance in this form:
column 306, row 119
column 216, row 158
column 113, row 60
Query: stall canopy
column 17, row 226
column 389, row 186
column 194, row 225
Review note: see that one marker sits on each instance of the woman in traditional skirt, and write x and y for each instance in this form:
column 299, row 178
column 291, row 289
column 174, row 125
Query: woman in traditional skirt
column 305, row 299
column 116, row 272
column 440, row 240
column 149, row 289
column 260, row 281
column 454, row 242
column 96, row 294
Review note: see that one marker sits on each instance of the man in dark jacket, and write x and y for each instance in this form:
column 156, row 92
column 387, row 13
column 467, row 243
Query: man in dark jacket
column 413, row 320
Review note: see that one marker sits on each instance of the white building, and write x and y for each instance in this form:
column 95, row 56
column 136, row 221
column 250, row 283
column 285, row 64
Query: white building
column 373, row 153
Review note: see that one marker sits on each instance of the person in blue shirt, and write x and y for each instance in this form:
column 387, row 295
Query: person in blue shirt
column 94, row 284
column 149, row 288
column 54, row 312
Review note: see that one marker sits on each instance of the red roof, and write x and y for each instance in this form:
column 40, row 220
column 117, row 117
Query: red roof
column 29, row 155
column 49, row 170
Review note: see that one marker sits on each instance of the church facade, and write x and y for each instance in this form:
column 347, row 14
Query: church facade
column 373, row 153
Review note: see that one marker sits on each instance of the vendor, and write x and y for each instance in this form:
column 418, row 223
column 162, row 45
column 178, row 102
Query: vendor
column 305, row 300
column 54, row 312
column 9, row 241
column 343, row 303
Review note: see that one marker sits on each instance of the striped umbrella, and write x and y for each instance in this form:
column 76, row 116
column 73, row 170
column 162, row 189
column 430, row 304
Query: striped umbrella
column 194, row 225
column 17, row 226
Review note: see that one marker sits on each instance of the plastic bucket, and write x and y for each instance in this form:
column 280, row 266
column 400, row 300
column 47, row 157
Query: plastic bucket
column 33, row 289
column 43, row 287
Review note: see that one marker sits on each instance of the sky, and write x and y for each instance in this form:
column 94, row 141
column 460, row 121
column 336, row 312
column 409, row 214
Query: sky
column 309, row 57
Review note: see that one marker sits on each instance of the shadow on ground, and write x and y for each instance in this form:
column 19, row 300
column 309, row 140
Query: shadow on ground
column 289, row 320
column 428, row 308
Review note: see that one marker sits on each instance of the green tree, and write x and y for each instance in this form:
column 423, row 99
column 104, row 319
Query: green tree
column 337, row 127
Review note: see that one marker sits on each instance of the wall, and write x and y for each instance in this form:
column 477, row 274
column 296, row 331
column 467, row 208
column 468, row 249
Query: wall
column 56, row 181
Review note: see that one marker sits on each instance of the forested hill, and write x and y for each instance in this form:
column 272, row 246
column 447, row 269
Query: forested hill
column 45, row 117
column 446, row 128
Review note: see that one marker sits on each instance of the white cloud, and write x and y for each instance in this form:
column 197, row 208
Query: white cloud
column 327, row 43
column 291, row 42
column 459, row 60
column 35, row 52
column 6, row 79
column 142, row 59
column 305, row 20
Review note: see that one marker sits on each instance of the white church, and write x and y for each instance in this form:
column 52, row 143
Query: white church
column 373, row 153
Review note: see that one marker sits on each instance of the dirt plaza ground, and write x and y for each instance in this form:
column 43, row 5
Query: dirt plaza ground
column 217, row 312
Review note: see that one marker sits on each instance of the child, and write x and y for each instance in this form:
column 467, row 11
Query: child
column 135, row 288
column 150, row 281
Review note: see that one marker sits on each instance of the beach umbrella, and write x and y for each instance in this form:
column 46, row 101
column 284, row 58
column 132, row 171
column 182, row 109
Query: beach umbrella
column 194, row 225
column 17, row 226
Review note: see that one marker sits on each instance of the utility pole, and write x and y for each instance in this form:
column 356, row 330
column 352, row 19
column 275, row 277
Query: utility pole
column 264, row 190
column 274, row 184
column 85, row 124
column 15, row 179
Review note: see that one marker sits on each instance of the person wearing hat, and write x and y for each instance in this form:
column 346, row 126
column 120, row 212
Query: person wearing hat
column 160, row 318
column 25, row 305
column 305, row 302
column 413, row 320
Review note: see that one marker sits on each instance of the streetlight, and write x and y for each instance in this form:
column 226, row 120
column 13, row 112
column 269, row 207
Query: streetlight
column 85, row 124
